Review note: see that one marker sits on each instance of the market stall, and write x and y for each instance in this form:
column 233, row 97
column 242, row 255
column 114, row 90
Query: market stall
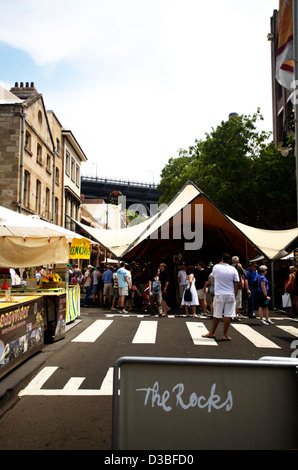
column 21, row 330
column 32, row 314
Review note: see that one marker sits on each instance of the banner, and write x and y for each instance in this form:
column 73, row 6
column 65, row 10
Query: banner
column 285, row 51
column 79, row 249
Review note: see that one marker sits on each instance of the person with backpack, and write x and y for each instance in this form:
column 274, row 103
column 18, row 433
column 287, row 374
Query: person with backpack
column 155, row 294
column 251, row 285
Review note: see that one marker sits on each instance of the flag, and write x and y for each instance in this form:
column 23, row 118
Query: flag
column 285, row 51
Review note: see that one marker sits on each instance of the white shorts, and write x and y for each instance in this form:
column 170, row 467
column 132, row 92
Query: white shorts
column 224, row 305
column 201, row 294
column 123, row 291
column 239, row 299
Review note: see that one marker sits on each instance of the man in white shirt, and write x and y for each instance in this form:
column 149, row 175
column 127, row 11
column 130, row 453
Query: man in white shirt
column 226, row 281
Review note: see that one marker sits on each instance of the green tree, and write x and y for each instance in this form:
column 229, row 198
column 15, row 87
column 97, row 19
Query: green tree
column 239, row 171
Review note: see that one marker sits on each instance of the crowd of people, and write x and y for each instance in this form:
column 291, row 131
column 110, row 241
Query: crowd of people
column 108, row 287
column 111, row 287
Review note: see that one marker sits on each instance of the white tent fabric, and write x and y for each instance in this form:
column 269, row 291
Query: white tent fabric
column 17, row 252
column 15, row 224
column 26, row 241
column 116, row 241
column 270, row 243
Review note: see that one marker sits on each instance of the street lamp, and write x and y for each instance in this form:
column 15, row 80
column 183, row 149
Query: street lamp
column 285, row 148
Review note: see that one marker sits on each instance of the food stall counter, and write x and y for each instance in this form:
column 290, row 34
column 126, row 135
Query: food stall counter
column 21, row 330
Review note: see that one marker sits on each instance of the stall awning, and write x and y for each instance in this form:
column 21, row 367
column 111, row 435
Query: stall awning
column 220, row 233
column 29, row 241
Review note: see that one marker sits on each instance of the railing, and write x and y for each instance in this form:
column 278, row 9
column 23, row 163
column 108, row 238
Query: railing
column 118, row 181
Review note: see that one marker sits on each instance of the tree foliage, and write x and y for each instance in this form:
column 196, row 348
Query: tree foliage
column 243, row 174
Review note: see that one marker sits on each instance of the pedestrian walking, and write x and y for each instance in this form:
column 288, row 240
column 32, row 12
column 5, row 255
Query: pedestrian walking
column 87, row 286
column 226, row 281
column 291, row 288
column 108, row 291
column 242, row 274
column 165, row 280
column 123, row 286
column 155, row 294
column 181, row 282
column 250, row 283
column 191, row 287
column 201, row 277
column 263, row 297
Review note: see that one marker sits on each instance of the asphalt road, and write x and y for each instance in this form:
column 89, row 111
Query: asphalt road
column 61, row 398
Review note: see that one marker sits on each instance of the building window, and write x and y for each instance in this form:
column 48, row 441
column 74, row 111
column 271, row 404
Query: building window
column 49, row 164
column 57, row 179
column 28, row 141
column 26, row 193
column 38, row 197
column 47, row 208
column 78, row 176
column 39, row 154
column 57, row 145
column 67, row 164
column 39, row 117
column 73, row 170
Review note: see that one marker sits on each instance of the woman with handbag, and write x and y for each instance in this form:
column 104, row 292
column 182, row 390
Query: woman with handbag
column 190, row 296
column 291, row 288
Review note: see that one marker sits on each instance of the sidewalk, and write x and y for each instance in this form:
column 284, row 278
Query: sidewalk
column 13, row 382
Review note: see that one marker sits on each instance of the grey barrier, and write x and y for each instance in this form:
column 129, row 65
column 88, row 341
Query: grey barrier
column 185, row 404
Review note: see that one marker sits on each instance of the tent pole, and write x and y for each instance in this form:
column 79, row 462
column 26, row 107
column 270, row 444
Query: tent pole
column 272, row 283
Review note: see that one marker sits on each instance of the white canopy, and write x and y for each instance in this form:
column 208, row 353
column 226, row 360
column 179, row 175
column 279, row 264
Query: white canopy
column 219, row 231
column 272, row 243
column 29, row 241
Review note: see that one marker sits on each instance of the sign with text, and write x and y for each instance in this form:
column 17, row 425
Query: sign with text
column 21, row 331
column 175, row 404
column 79, row 249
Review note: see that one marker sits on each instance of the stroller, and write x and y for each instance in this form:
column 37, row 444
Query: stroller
column 146, row 301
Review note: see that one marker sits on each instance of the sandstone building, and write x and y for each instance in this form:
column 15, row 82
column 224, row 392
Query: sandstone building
column 40, row 160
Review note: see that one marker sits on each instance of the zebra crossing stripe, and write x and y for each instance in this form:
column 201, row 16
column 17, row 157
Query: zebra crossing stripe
column 93, row 331
column 256, row 338
column 197, row 330
column 289, row 329
column 146, row 333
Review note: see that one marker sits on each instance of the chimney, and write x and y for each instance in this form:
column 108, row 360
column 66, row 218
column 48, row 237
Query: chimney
column 24, row 92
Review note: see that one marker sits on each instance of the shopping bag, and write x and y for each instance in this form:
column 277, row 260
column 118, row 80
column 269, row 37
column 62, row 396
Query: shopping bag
column 286, row 300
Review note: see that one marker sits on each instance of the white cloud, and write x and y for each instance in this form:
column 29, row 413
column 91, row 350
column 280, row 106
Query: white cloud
column 147, row 77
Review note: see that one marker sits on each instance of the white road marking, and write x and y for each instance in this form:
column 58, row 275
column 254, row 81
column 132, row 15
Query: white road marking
column 70, row 389
column 254, row 337
column 289, row 329
column 93, row 331
column 146, row 333
column 197, row 330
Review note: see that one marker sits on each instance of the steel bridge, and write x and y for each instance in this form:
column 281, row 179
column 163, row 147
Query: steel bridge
column 138, row 195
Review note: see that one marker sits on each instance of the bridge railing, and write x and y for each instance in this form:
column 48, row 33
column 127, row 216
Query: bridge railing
column 98, row 179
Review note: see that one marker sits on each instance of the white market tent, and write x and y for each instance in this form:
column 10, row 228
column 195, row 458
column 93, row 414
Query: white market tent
column 220, row 233
column 27, row 241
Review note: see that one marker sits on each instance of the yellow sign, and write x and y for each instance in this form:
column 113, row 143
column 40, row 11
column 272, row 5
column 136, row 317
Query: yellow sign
column 79, row 249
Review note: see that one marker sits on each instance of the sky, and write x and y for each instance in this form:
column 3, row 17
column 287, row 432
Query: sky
column 137, row 80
